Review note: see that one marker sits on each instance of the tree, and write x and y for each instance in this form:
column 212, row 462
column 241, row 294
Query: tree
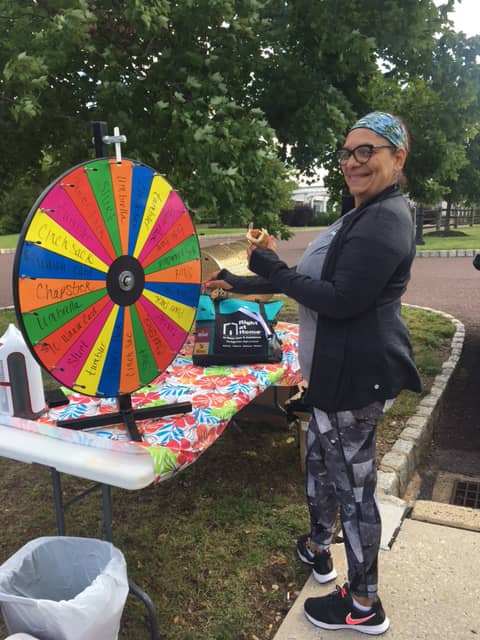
column 444, row 112
column 440, row 105
column 319, row 58
column 157, row 70
column 218, row 95
column 467, row 187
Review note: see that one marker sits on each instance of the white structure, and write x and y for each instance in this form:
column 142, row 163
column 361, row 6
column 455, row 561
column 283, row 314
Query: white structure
column 315, row 196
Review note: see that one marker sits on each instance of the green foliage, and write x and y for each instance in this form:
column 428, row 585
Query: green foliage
column 441, row 109
column 221, row 96
column 165, row 73
column 466, row 189
column 325, row 219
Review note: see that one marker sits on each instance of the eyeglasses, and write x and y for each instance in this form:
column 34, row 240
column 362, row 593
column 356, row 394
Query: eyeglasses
column 362, row 153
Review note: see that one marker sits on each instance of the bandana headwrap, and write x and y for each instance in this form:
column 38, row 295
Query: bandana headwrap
column 387, row 126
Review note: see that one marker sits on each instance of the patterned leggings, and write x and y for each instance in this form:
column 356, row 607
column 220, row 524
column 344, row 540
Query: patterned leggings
column 341, row 471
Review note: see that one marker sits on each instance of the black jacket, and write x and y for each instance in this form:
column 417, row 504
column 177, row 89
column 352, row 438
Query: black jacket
column 362, row 350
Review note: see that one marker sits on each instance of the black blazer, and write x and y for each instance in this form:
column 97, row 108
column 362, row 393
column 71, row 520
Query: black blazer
column 362, row 351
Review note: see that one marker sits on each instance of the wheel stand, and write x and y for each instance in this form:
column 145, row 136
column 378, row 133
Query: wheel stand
column 127, row 415
column 61, row 506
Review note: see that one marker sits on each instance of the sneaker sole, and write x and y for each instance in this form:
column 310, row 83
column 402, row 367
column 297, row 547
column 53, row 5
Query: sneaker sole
column 363, row 628
column 322, row 578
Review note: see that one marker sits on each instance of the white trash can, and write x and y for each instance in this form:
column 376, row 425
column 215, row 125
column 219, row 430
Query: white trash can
column 64, row 588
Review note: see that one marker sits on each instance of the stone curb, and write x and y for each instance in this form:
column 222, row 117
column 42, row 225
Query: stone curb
column 398, row 465
column 447, row 253
column 7, row 251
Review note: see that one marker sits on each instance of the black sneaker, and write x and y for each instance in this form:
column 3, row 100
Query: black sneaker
column 337, row 611
column 323, row 570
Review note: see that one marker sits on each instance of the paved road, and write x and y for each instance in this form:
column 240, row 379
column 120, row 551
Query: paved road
column 449, row 284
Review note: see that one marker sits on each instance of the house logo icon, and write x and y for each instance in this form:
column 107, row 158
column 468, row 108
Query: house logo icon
column 230, row 329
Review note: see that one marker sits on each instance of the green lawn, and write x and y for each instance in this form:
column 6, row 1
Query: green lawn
column 469, row 238
column 9, row 242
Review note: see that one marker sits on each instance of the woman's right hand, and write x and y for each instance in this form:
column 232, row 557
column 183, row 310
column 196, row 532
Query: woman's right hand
column 214, row 283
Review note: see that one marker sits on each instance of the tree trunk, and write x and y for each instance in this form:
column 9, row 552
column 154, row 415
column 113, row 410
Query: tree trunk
column 419, row 224
column 446, row 226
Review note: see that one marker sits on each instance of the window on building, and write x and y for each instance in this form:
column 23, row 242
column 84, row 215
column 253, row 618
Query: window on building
column 319, row 206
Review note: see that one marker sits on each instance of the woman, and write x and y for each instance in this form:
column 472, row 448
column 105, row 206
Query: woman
column 355, row 355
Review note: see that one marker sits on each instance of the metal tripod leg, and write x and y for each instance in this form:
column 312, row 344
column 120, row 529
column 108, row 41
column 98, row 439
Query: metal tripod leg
column 136, row 591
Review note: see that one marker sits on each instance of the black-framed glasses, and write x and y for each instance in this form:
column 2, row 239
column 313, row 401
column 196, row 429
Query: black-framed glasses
column 362, row 153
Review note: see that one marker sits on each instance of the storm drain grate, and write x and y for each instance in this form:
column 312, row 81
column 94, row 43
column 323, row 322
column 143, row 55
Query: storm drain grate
column 466, row 494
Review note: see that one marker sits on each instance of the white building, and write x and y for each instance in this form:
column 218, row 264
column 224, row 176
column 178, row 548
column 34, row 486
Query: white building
column 315, row 196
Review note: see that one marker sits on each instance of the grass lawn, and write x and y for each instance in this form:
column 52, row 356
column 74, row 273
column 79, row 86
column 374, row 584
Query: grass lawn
column 467, row 238
column 9, row 242
column 213, row 546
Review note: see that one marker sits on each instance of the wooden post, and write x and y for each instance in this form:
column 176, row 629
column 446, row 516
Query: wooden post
column 100, row 129
column 419, row 225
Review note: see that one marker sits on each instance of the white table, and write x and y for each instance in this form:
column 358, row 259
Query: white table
column 127, row 471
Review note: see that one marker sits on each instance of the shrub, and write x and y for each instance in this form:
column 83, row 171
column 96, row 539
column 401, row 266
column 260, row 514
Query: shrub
column 325, row 219
column 300, row 216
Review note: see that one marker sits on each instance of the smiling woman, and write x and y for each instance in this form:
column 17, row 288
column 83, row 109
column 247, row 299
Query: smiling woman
column 369, row 165
column 355, row 354
column 376, row 169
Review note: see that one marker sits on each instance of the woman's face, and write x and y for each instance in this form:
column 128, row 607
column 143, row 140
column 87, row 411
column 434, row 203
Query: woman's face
column 365, row 181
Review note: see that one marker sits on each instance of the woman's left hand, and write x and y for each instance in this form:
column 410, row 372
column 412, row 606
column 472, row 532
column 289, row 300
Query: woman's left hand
column 213, row 282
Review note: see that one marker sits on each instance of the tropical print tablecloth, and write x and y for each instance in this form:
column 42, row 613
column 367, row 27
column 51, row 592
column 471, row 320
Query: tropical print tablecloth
column 216, row 395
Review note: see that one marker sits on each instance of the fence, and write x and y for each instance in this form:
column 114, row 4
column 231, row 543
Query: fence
column 436, row 218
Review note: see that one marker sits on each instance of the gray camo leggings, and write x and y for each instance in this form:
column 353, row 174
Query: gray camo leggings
column 341, row 472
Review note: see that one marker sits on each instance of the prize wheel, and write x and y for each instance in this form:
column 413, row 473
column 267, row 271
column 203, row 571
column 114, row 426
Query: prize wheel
column 106, row 277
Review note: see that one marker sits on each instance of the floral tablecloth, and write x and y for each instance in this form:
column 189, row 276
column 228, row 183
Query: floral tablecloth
column 216, row 395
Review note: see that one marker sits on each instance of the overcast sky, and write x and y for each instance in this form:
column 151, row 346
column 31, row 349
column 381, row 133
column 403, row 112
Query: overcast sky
column 466, row 17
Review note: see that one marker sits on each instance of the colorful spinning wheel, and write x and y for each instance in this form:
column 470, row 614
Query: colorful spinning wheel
column 107, row 277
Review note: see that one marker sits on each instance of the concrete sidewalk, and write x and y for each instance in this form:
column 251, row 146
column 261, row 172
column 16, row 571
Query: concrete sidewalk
column 429, row 577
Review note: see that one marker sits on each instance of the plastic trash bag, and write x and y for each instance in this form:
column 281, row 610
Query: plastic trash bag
column 64, row 588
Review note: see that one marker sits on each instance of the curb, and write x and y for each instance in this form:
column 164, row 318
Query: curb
column 447, row 253
column 398, row 465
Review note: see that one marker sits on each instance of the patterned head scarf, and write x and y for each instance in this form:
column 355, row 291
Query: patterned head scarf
column 387, row 126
